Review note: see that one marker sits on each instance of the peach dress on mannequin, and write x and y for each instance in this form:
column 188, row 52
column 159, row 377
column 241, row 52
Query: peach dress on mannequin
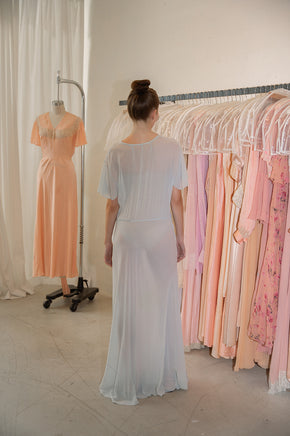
column 55, row 237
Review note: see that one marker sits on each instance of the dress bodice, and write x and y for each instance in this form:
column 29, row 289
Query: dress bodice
column 142, row 177
column 58, row 143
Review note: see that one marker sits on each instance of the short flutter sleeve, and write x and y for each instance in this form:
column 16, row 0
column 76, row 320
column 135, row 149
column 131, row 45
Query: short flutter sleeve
column 35, row 138
column 80, row 135
column 179, row 172
column 108, row 185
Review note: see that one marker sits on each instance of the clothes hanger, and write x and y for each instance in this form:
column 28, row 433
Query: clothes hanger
column 271, row 127
column 283, row 137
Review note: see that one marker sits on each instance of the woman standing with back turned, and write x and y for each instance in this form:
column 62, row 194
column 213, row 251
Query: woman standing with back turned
column 142, row 178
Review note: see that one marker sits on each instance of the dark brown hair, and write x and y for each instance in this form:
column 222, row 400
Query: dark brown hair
column 141, row 100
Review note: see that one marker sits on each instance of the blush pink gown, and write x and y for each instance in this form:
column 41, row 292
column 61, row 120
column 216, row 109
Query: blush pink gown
column 55, row 237
column 279, row 379
column 194, row 237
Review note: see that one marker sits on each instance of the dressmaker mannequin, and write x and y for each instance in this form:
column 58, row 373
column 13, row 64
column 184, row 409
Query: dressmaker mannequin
column 56, row 114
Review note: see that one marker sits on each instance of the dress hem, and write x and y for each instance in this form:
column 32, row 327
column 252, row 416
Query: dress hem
column 69, row 276
column 141, row 397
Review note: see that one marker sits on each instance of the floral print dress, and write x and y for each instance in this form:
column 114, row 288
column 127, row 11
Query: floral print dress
column 263, row 322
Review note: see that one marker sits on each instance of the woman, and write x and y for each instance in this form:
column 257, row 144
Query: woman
column 142, row 178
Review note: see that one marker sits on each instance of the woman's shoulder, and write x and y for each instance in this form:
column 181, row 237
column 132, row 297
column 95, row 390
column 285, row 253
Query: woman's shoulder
column 115, row 148
column 167, row 139
column 169, row 142
column 164, row 141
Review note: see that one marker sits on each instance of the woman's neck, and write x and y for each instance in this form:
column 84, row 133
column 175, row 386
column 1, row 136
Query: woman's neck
column 57, row 107
column 141, row 131
column 139, row 136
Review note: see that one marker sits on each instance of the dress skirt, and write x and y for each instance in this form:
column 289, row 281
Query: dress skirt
column 55, row 237
column 145, row 355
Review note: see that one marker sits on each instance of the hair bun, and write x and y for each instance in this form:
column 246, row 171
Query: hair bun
column 140, row 86
column 141, row 100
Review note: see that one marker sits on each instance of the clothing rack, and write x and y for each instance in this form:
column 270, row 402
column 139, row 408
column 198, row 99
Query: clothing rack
column 219, row 93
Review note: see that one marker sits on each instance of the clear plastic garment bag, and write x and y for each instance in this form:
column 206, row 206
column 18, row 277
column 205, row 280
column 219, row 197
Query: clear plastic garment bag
column 269, row 127
column 283, row 138
column 252, row 114
column 261, row 122
column 183, row 125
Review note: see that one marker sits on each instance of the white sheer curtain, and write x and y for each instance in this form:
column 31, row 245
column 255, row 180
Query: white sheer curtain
column 37, row 38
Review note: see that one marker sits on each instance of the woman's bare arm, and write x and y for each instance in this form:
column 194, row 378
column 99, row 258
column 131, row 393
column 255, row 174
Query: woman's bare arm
column 112, row 208
column 177, row 212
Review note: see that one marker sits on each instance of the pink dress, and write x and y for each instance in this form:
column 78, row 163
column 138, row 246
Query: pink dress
column 209, row 186
column 262, row 327
column 194, row 237
column 55, row 237
column 213, row 251
column 279, row 380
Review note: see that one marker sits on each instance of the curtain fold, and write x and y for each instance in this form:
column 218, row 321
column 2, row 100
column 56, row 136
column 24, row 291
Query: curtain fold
column 12, row 271
column 37, row 38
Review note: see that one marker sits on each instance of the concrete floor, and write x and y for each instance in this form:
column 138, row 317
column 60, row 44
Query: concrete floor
column 52, row 362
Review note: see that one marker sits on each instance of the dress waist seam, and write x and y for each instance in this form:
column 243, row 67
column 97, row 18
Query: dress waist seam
column 55, row 160
column 144, row 220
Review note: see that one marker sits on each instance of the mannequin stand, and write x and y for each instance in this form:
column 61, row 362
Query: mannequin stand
column 81, row 292
column 78, row 293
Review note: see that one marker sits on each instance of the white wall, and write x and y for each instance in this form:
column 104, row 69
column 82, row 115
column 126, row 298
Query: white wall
column 181, row 46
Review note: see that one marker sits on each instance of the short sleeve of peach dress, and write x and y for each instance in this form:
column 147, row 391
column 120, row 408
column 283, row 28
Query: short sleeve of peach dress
column 55, row 236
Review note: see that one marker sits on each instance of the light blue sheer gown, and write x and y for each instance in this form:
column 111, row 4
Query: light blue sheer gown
column 145, row 354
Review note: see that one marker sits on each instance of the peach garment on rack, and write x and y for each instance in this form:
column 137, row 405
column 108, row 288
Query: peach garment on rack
column 213, row 249
column 218, row 347
column 194, row 237
column 257, row 206
column 260, row 209
column 262, row 327
column 245, row 224
column 247, row 353
column 232, row 295
column 55, row 237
